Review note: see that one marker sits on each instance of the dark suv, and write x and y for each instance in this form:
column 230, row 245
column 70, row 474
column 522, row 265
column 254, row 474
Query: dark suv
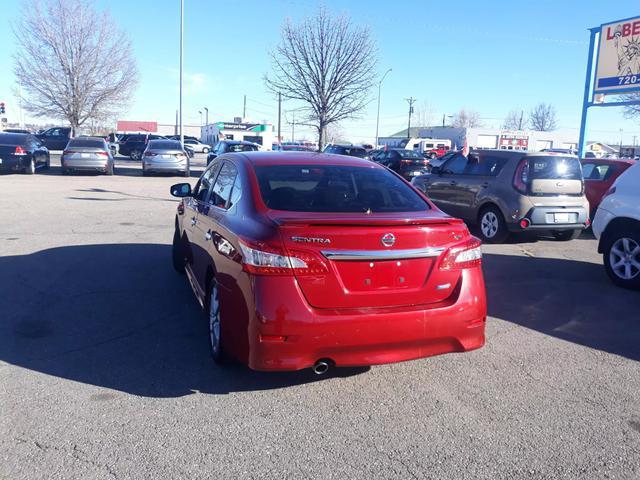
column 55, row 138
column 507, row 191
column 406, row 163
column 136, row 144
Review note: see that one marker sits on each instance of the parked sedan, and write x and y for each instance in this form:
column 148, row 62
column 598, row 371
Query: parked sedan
column 599, row 176
column 87, row 154
column 197, row 145
column 163, row 156
column 20, row 152
column 314, row 260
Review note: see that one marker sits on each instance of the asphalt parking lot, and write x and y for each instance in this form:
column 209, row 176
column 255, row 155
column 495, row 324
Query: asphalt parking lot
column 105, row 370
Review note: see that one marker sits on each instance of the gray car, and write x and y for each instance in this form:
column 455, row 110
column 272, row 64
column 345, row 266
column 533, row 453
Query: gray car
column 165, row 156
column 504, row 191
column 87, row 154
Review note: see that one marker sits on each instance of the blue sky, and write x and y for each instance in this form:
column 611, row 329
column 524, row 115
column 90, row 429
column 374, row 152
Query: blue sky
column 486, row 56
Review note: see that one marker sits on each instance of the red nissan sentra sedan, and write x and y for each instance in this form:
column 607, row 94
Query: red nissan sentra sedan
column 313, row 260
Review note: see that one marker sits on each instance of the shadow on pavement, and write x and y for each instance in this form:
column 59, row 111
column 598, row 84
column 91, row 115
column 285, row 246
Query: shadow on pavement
column 571, row 300
column 119, row 317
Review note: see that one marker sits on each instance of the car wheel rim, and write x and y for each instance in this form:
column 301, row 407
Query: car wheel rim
column 625, row 258
column 489, row 224
column 214, row 321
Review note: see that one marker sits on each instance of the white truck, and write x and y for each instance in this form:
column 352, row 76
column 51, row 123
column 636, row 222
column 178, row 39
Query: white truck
column 429, row 147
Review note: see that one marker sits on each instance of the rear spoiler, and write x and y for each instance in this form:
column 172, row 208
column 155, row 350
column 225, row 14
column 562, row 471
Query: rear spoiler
column 365, row 220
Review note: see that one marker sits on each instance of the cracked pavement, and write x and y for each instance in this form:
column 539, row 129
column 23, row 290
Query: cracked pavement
column 105, row 370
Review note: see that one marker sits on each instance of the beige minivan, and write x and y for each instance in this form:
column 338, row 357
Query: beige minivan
column 505, row 191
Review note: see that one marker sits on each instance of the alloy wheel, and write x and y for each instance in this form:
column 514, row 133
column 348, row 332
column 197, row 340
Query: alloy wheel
column 214, row 322
column 489, row 224
column 624, row 258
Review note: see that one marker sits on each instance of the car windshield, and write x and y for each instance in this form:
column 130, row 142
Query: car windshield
column 165, row 145
column 335, row 188
column 242, row 148
column 410, row 154
column 552, row 168
column 86, row 142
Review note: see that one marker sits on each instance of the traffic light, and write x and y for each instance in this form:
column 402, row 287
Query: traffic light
column 2, row 109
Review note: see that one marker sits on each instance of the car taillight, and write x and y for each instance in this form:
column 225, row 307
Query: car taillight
column 521, row 177
column 263, row 259
column 426, row 161
column 20, row 151
column 464, row 255
column 181, row 156
column 103, row 154
column 149, row 154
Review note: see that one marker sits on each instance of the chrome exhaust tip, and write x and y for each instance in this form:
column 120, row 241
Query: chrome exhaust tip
column 321, row 367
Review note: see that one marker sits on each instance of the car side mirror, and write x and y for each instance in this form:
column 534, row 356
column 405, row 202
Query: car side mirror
column 181, row 190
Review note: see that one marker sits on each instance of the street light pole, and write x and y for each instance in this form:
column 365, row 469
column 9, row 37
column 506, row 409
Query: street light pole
column 200, row 112
column 206, row 115
column 378, row 117
column 181, row 53
column 411, row 101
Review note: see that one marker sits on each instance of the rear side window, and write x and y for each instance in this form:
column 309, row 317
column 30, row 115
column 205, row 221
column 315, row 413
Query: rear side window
column 336, row 188
column 552, row 168
column 221, row 192
column 593, row 171
column 484, row 165
column 80, row 142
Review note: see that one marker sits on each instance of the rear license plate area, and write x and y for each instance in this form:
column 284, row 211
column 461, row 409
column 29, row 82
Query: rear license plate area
column 562, row 218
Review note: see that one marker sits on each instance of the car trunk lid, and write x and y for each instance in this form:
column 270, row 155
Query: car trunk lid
column 373, row 261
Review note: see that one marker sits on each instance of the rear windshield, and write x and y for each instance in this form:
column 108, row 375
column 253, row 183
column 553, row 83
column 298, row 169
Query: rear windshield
column 82, row 142
column 410, row 154
column 13, row 138
column 350, row 151
column 165, row 145
column 334, row 188
column 552, row 168
column 239, row 147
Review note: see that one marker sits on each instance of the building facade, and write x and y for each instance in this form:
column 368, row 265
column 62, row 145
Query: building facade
column 260, row 133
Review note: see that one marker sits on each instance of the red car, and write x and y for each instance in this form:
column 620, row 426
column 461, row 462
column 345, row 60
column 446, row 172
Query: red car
column 599, row 175
column 311, row 260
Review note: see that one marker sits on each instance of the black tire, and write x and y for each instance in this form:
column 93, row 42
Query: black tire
column 145, row 173
column 492, row 227
column 186, row 173
column 212, row 305
column 47, row 165
column 566, row 235
column 65, row 171
column 136, row 155
column 205, row 150
column 624, row 268
column 30, row 168
column 176, row 252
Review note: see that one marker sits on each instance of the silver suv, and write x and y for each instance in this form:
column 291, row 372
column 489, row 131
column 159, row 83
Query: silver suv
column 506, row 191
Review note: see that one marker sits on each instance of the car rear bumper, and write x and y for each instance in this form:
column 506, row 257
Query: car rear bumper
column 554, row 218
column 85, row 163
column 293, row 337
column 164, row 167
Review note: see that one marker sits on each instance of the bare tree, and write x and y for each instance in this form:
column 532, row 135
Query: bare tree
column 543, row 117
column 73, row 62
column 327, row 64
column 466, row 119
column 424, row 115
column 335, row 134
column 631, row 111
column 515, row 120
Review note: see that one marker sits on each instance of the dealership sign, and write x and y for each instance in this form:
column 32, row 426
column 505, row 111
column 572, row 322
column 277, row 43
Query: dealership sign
column 618, row 64
column 250, row 127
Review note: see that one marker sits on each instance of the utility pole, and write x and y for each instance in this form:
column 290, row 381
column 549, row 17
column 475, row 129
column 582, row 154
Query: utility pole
column 206, row 115
column 620, row 151
column 293, row 127
column 181, row 54
column 443, row 117
column 279, row 114
column 411, row 101
column 200, row 112
column 175, row 130
column 520, row 122
column 244, row 108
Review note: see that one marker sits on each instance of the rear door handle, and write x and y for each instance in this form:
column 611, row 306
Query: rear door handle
column 193, row 221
